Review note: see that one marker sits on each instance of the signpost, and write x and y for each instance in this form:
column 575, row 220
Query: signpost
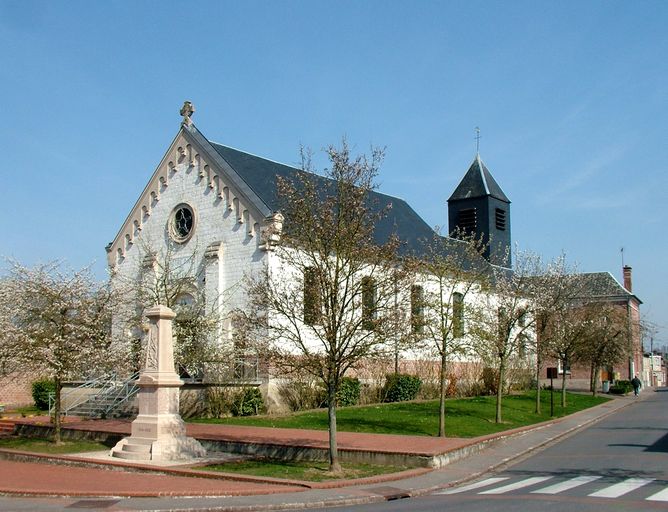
column 551, row 374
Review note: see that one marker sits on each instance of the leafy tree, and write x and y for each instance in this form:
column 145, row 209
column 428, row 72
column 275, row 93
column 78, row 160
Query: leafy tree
column 56, row 322
column 326, row 300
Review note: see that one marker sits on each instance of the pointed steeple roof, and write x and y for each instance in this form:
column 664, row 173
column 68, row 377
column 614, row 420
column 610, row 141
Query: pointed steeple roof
column 478, row 182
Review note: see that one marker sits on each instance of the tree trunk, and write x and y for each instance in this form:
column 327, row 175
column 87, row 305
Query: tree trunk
column 441, row 407
column 499, row 389
column 56, row 411
column 594, row 378
column 563, row 384
column 334, row 465
column 539, row 364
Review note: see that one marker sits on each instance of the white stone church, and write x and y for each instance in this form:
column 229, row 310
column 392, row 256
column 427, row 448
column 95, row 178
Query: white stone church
column 218, row 208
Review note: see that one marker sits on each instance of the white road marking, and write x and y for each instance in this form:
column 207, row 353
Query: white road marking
column 566, row 485
column 659, row 496
column 617, row 490
column 517, row 485
column 475, row 485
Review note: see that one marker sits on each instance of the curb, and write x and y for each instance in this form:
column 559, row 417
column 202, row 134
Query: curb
column 376, row 496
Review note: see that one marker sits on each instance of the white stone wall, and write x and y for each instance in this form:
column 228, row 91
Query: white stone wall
column 225, row 245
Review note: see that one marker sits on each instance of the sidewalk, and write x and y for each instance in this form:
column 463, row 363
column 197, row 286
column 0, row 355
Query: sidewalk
column 166, row 490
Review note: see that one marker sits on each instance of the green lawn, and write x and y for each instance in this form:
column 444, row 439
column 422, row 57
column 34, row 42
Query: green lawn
column 304, row 470
column 47, row 446
column 468, row 417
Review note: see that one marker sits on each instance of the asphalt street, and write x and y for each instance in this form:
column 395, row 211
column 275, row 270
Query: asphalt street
column 619, row 463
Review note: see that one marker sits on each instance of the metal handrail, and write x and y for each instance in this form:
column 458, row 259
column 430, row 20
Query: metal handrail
column 124, row 393
column 92, row 383
column 105, row 384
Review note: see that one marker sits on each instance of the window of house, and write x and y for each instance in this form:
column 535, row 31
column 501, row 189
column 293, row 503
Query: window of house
column 467, row 219
column 417, row 309
column 312, row 301
column 369, row 303
column 457, row 315
column 564, row 368
column 500, row 218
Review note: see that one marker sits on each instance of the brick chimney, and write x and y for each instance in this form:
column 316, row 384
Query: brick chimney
column 628, row 283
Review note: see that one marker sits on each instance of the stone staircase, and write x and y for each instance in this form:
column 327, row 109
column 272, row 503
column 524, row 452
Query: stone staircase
column 137, row 449
column 7, row 428
column 112, row 400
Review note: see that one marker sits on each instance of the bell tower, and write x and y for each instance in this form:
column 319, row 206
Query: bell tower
column 478, row 206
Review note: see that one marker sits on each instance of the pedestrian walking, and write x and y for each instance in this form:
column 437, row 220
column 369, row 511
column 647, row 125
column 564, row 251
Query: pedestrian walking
column 635, row 382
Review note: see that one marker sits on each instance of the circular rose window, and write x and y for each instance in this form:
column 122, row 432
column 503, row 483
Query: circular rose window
column 182, row 223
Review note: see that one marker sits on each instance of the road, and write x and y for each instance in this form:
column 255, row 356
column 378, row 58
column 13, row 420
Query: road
column 619, row 463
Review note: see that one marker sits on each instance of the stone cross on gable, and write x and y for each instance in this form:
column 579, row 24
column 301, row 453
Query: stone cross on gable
column 187, row 110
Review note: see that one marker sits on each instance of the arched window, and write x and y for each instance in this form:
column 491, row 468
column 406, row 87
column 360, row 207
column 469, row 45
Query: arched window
column 369, row 307
column 417, row 309
column 312, row 301
column 457, row 315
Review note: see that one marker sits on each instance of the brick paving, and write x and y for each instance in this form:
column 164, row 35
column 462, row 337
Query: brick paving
column 26, row 478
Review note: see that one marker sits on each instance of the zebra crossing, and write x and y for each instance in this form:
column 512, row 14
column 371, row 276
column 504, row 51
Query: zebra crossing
column 595, row 486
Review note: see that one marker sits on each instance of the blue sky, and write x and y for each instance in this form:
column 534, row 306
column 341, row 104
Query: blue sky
column 571, row 99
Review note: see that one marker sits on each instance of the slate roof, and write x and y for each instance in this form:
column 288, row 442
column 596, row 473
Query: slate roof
column 603, row 285
column 260, row 174
column 478, row 182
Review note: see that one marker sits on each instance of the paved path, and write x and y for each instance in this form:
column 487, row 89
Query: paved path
column 244, row 494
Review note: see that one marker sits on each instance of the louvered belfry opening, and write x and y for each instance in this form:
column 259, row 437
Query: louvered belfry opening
column 500, row 219
column 468, row 220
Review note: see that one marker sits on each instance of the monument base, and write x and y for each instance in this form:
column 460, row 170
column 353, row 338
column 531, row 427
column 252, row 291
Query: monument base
column 170, row 449
column 158, row 437
column 158, row 433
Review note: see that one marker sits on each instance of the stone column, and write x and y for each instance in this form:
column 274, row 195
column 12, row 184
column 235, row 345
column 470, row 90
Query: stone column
column 158, row 432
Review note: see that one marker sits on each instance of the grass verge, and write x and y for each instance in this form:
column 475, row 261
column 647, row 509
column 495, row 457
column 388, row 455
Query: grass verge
column 466, row 417
column 311, row 471
column 47, row 446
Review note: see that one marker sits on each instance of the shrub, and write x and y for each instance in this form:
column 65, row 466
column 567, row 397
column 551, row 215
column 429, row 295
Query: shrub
column 248, row 402
column 621, row 387
column 218, row 401
column 429, row 390
column 300, row 395
column 489, row 378
column 40, row 393
column 401, row 387
column 349, row 392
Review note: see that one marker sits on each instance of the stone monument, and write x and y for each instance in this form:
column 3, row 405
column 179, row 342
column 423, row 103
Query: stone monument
column 158, row 432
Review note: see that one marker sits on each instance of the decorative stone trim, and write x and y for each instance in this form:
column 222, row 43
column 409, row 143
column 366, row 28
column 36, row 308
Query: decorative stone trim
column 213, row 251
column 271, row 231
column 181, row 157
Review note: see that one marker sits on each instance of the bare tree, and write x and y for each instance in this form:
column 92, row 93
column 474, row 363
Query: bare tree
column 505, row 329
column 175, row 279
column 326, row 301
column 56, row 322
column 451, row 269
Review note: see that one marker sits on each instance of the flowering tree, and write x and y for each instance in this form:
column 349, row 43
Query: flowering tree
column 606, row 341
column 56, row 322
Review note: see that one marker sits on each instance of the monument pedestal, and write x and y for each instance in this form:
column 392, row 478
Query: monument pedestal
column 158, row 432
